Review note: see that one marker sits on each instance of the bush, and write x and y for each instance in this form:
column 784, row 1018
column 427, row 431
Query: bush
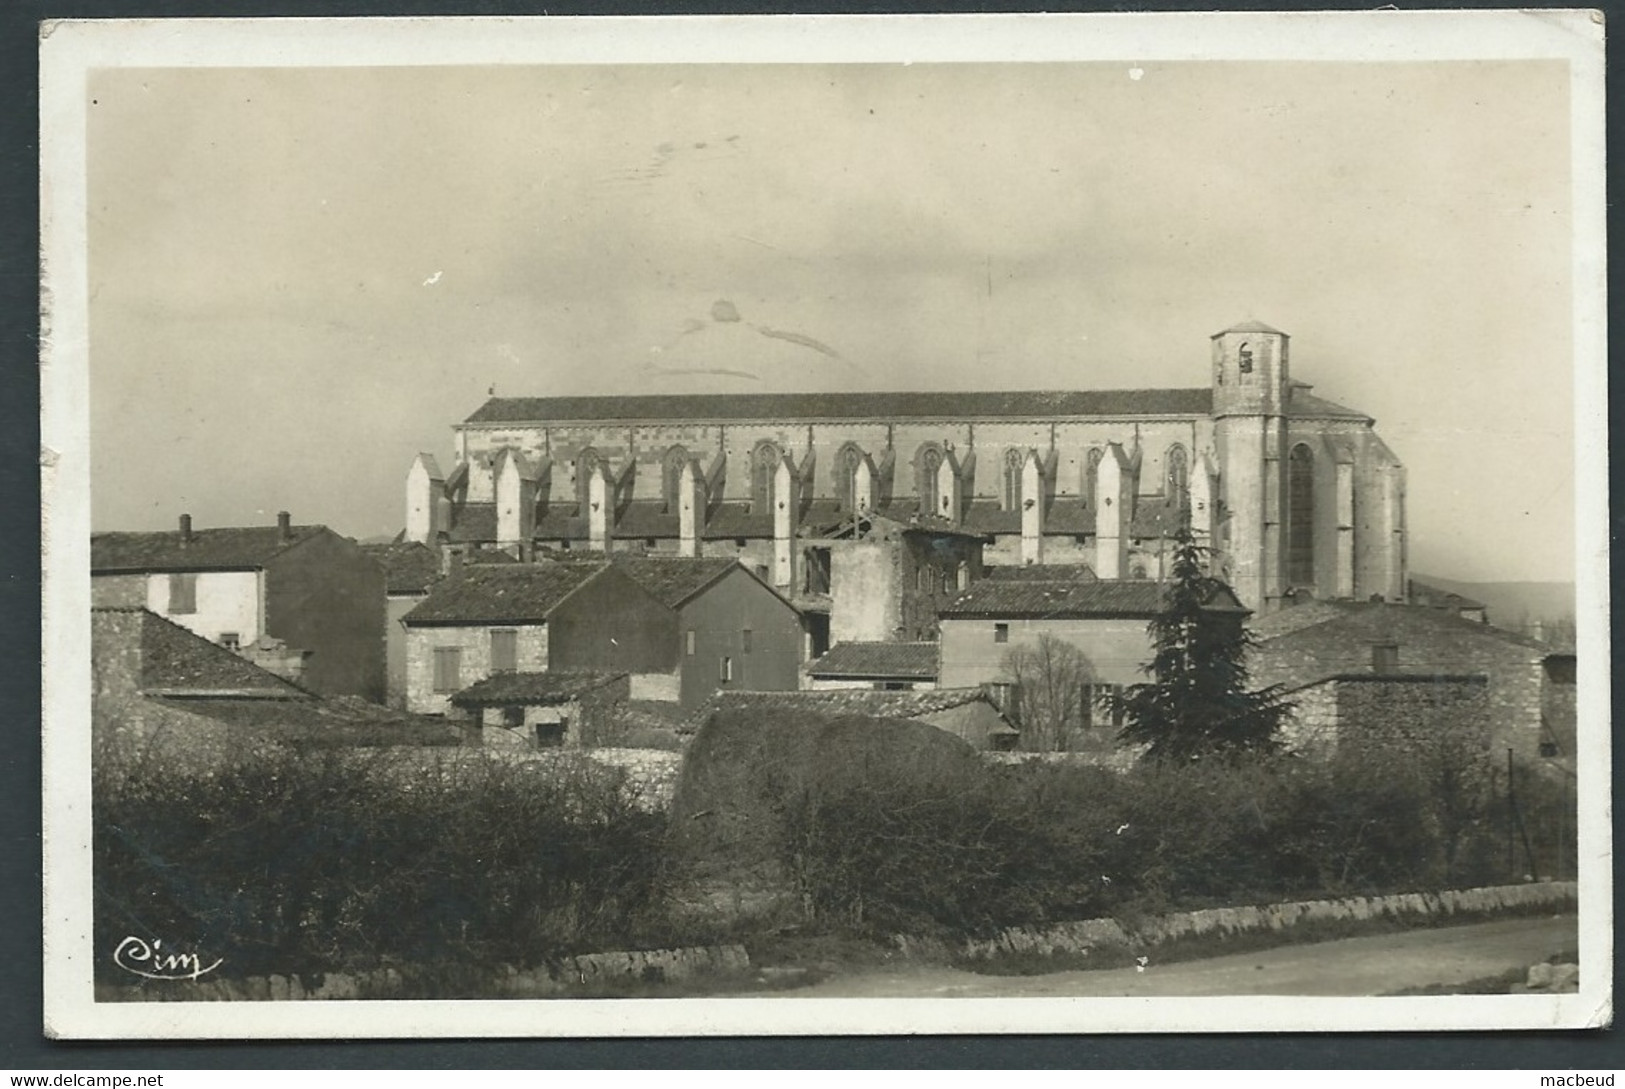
column 332, row 859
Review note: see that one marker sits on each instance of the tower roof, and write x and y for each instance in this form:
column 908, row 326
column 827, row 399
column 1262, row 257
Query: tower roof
column 1248, row 327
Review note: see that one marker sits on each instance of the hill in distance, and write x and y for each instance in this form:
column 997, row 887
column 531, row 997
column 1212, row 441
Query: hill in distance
column 1509, row 603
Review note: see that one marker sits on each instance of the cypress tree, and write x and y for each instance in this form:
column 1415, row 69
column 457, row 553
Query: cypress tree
column 1197, row 703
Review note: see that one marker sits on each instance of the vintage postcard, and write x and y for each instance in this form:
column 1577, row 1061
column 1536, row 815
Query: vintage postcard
column 803, row 525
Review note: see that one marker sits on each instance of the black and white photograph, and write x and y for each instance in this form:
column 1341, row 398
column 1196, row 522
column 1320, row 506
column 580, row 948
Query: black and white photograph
column 857, row 525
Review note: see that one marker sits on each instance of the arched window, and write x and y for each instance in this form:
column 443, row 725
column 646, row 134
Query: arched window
column 1300, row 517
column 928, row 463
column 1244, row 356
column 764, row 467
column 671, row 476
column 1014, row 460
column 1177, row 486
column 846, row 476
column 587, row 463
column 1091, row 476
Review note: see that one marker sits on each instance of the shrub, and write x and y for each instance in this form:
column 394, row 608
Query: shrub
column 329, row 859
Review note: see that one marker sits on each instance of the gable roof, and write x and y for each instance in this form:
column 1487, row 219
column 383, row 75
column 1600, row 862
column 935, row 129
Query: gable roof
column 533, row 689
column 848, row 406
column 521, row 593
column 175, row 661
column 1040, row 572
column 1102, row 598
column 245, row 548
column 1301, row 403
column 410, row 567
column 846, row 701
column 674, row 580
column 859, row 660
column 1421, row 593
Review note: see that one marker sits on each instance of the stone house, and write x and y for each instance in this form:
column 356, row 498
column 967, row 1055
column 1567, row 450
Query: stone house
column 279, row 592
column 158, row 687
column 1528, row 687
column 870, row 578
column 680, row 628
column 410, row 570
column 1106, row 621
column 571, row 709
column 893, row 667
column 1364, row 711
column 968, row 713
column 731, row 630
column 1293, row 491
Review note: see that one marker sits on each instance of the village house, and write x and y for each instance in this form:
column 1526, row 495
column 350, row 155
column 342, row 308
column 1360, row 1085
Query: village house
column 1106, row 621
column 680, row 628
column 301, row 599
column 410, row 570
column 889, row 667
column 968, row 713
column 1527, row 687
column 156, row 686
column 572, row 709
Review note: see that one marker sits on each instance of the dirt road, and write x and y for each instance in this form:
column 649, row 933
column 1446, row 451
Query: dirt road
column 1379, row 964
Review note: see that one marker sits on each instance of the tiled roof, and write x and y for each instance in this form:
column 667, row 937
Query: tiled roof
column 849, row 406
column 1386, row 622
column 534, row 689
column 523, row 593
column 1041, row 572
column 842, row 701
column 473, row 522
column 1302, row 403
column 673, row 580
column 410, row 567
column 1250, row 327
column 243, row 548
column 325, row 722
column 913, row 661
column 175, row 660
column 1101, row 598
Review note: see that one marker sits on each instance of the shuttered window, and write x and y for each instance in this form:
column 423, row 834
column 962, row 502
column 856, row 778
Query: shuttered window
column 504, row 651
column 448, row 669
column 182, row 594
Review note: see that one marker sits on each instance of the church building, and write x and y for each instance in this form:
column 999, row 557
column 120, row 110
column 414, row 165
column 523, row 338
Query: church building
column 1297, row 495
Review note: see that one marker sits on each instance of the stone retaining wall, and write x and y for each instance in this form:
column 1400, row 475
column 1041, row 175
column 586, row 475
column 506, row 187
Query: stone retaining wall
column 588, row 972
column 1081, row 937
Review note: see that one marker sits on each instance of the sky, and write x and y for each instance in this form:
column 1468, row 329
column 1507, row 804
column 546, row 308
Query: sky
column 300, row 277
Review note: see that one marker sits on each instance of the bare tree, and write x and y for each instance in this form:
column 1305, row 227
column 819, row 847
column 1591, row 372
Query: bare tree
column 1052, row 692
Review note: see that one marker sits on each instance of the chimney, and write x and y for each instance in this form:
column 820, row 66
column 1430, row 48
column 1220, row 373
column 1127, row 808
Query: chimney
column 284, row 525
column 186, row 529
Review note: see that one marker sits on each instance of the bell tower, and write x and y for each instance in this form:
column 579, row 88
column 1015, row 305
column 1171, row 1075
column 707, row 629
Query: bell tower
column 1250, row 390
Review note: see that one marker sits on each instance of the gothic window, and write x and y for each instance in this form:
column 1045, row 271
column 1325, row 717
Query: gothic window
column 586, row 463
column 764, row 468
column 1245, row 355
column 929, row 462
column 1013, row 462
column 1091, row 475
column 1300, row 517
column 1177, row 488
column 671, row 477
column 846, row 476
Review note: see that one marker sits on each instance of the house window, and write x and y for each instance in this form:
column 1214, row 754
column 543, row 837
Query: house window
column 231, row 640
column 513, row 717
column 182, row 593
column 1086, row 706
column 1001, row 633
column 745, row 640
column 448, row 669
column 688, row 642
column 1548, row 748
column 1117, row 705
column 726, row 671
column 1385, row 658
column 962, row 577
column 504, row 651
